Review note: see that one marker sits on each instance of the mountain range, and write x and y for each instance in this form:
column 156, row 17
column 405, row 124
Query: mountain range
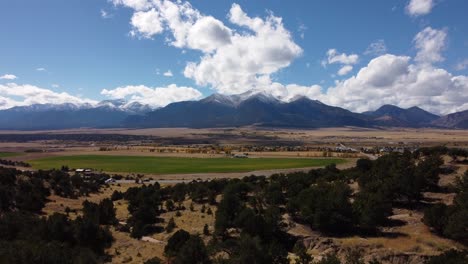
column 252, row 108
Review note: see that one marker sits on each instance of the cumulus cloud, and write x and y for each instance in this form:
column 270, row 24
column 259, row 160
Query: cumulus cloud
column 376, row 48
column 153, row 96
column 168, row 73
column 244, row 56
column 233, row 61
column 391, row 79
column 41, row 69
column 430, row 44
column 12, row 94
column 146, row 23
column 8, row 77
column 135, row 4
column 250, row 58
column 335, row 57
column 419, row 7
column 345, row 70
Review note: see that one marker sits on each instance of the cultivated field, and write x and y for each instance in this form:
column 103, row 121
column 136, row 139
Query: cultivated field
column 9, row 154
column 171, row 165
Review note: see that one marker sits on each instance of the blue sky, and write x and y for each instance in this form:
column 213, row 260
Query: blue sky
column 89, row 50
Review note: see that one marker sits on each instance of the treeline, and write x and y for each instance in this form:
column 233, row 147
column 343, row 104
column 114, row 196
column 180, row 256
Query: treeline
column 25, row 237
column 74, row 137
column 14, row 163
column 74, row 186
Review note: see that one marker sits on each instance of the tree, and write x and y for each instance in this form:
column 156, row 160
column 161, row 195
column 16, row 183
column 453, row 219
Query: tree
column 170, row 225
column 206, row 231
column 436, row 217
column 154, row 260
column 326, row 206
column 116, row 195
column 229, row 207
column 175, row 242
column 249, row 250
column 371, row 209
column 192, row 251
column 107, row 212
column 91, row 211
column 428, row 170
column 170, row 205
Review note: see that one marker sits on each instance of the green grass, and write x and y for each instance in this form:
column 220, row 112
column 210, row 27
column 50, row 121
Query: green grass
column 9, row 154
column 170, row 165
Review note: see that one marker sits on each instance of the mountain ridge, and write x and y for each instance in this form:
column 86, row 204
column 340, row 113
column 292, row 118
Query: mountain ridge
column 217, row 110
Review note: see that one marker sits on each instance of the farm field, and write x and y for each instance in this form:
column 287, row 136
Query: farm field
column 9, row 154
column 172, row 165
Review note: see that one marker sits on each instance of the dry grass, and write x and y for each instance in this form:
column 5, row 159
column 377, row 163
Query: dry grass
column 128, row 250
column 57, row 204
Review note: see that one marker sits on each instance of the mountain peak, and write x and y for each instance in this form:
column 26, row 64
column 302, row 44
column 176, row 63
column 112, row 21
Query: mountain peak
column 219, row 98
column 397, row 116
column 259, row 95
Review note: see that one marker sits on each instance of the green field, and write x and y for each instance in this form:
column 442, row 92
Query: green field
column 170, row 165
column 9, row 154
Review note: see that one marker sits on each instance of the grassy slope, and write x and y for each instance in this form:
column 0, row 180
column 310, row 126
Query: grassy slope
column 170, row 165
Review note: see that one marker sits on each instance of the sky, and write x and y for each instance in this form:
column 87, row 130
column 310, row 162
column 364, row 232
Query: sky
column 357, row 54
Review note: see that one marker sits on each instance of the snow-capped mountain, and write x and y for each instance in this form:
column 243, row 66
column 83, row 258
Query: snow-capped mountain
column 217, row 110
column 108, row 113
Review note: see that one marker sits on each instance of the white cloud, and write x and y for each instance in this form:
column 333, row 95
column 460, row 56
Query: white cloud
column 12, row 94
column 345, row 70
column 334, row 57
column 146, row 23
column 8, row 77
column 135, row 4
column 232, row 61
column 419, row 7
column 376, row 48
column 460, row 66
column 391, row 79
column 302, row 29
column 105, row 14
column 168, row 73
column 430, row 44
column 343, row 58
column 41, row 69
column 250, row 58
column 291, row 91
column 244, row 56
column 153, row 96
column 208, row 34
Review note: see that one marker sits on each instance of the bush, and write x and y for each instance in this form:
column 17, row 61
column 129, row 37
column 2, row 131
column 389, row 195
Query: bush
column 175, row 243
column 170, row 225
column 326, row 207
